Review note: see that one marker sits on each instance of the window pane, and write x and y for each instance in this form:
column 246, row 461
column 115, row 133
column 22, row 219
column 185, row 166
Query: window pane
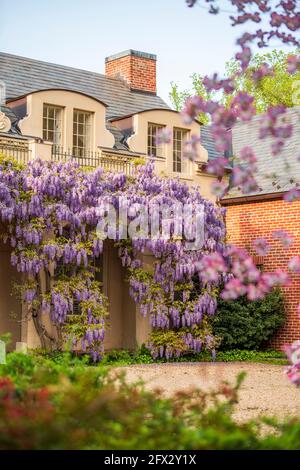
column 179, row 135
column 152, row 148
column 81, row 132
column 52, row 123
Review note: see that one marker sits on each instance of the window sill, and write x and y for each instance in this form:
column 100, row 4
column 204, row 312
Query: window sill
column 182, row 176
column 151, row 157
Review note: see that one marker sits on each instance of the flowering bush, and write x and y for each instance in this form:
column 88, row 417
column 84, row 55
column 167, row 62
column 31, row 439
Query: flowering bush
column 75, row 407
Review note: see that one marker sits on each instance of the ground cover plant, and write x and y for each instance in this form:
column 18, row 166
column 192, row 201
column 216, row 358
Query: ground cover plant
column 64, row 404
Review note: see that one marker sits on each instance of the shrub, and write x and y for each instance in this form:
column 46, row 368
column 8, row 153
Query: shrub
column 89, row 408
column 248, row 325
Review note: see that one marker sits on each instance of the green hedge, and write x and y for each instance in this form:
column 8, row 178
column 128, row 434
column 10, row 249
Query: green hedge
column 248, row 325
column 63, row 404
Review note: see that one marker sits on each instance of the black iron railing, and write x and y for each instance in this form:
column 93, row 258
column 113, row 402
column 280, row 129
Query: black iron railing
column 15, row 148
column 109, row 161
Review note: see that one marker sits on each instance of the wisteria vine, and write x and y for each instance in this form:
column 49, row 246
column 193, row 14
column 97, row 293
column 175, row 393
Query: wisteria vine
column 49, row 215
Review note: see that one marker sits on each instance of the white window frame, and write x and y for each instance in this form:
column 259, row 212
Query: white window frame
column 82, row 132
column 179, row 164
column 154, row 150
column 53, row 114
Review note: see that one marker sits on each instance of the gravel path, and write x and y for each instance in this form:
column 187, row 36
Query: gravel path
column 265, row 390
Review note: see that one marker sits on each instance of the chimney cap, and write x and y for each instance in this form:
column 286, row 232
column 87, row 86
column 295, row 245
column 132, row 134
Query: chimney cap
column 144, row 55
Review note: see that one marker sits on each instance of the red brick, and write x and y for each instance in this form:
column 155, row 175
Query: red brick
column 138, row 72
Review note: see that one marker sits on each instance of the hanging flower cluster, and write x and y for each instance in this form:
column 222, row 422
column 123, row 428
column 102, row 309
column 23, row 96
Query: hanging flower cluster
column 50, row 213
column 293, row 354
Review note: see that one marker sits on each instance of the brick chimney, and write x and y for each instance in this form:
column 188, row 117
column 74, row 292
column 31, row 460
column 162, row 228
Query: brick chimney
column 137, row 69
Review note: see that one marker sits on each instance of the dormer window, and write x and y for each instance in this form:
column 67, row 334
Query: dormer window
column 154, row 150
column 82, row 125
column 52, row 124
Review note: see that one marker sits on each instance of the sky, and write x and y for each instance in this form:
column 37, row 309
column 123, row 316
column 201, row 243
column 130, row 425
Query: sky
column 81, row 33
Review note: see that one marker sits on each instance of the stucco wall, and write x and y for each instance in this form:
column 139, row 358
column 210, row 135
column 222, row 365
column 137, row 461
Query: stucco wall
column 138, row 141
column 127, row 326
column 32, row 124
column 164, row 166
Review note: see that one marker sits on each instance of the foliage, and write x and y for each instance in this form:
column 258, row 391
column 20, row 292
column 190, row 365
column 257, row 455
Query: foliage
column 142, row 356
column 248, row 325
column 178, row 97
column 6, row 338
column 22, row 367
column 38, row 369
column 79, row 407
column 272, row 89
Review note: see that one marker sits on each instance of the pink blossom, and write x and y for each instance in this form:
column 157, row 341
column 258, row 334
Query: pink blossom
column 255, row 292
column 219, row 188
column 193, row 106
column 261, row 246
column 243, row 103
column 263, row 71
column 233, row 289
column 293, row 64
column 284, row 237
column 292, row 195
column 276, row 147
column 294, row 264
column 247, row 155
column 244, row 57
column 280, row 277
column 190, row 151
column 217, row 166
column 163, row 136
column 211, row 266
column 293, row 374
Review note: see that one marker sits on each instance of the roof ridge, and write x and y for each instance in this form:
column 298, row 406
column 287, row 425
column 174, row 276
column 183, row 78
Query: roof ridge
column 58, row 65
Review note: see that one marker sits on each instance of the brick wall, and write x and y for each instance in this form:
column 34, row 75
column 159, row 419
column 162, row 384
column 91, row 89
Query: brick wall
column 137, row 69
column 250, row 220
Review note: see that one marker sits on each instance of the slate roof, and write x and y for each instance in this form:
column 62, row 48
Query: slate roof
column 208, row 143
column 22, row 76
column 283, row 168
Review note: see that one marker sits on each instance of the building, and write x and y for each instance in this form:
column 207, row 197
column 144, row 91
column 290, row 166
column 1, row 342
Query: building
column 261, row 212
column 57, row 113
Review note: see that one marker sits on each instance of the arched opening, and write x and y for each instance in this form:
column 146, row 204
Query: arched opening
column 121, row 323
column 121, row 333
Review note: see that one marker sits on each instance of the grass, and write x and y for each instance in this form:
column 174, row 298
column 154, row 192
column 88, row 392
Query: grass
column 143, row 357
